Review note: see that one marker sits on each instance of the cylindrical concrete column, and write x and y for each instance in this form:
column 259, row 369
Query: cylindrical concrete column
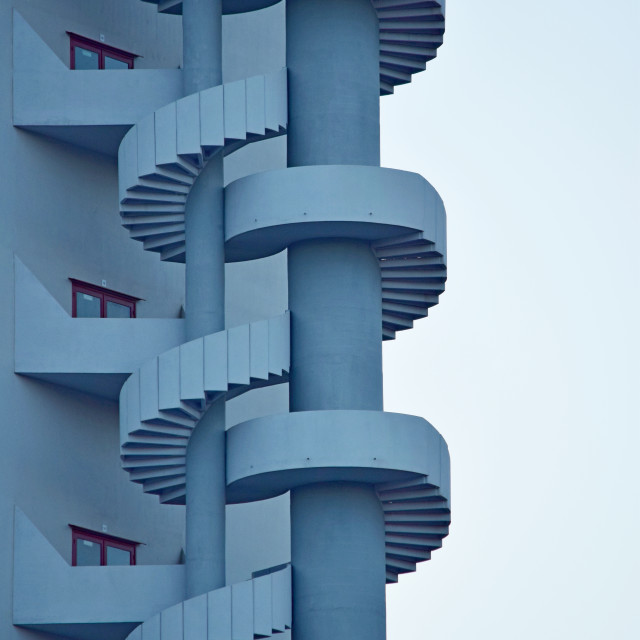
column 205, row 514
column 204, row 296
column 337, row 542
column 201, row 44
column 204, row 239
column 337, row 529
column 336, row 316
column 334, row 82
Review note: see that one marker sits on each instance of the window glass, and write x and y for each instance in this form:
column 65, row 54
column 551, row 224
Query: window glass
column 87, row 553
column 87, row 306
column 117, row 556
column 115, row 310
column 114, row 63
column 85, row 59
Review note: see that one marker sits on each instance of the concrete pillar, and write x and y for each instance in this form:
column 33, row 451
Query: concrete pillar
column 201, row 44
column 334, row 82
column 336, row 316
column 205, row 514
column 337, row 534
column 204, row 294
column 337, row 529
column 204, row 236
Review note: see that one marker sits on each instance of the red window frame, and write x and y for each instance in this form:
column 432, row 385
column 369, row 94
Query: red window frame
column 97, row 47
column 104, row 540
column 105, row 295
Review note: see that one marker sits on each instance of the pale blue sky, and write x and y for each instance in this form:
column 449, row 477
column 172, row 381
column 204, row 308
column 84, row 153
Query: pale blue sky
column 528, row 125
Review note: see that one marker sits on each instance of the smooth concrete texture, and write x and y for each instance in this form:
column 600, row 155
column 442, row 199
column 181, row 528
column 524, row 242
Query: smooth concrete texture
column 59, row 458
column 268, row 211
column 336, row 354
column 204, row 298
column 48, row 592
column 204, row 240
column 77, row 352
column 201, row 44
column 52, row 99
column 332, row 57
column 270, row 455
column 337, row 554
column 205, row 514
column 256, row 608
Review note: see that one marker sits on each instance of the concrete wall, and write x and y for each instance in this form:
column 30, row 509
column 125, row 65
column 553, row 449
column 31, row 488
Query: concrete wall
column 59, row 457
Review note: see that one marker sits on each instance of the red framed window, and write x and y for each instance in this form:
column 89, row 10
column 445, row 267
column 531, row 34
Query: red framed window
column 90, row 301
column 93, row 549
column 86, row 54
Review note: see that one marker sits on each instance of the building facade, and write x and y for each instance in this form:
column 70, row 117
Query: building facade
column 195, row 442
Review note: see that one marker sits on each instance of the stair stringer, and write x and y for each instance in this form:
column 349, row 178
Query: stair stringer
column 163, row 401
column 257, row 608
column 162, row 155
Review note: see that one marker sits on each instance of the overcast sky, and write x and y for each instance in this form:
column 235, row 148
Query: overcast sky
column 527, row 123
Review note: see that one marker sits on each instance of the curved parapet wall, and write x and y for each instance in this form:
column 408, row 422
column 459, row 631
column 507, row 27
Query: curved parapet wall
column 162, row 155
column 410, row 33
column 399, row 212
column 404, row 456
column 257, row 608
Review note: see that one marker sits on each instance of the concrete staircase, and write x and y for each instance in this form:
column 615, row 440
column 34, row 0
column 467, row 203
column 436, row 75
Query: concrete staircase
column 162, row 155
column 161, row 403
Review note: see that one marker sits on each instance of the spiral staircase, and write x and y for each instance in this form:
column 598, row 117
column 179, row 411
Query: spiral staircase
column 159, row 161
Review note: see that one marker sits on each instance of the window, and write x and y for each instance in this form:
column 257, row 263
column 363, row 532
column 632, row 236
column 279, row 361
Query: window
column 91, row 301
column 89, row 54
column 93, row 549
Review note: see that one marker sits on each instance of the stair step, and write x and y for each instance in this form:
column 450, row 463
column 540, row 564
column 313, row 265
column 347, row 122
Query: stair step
column 131, row 221
column 401, row 518
column 438, row 526
column 431, row 288
column 157, row 473
column 155, row 243
column 402, row 298
column 393, row 75
column 425, row 52
column 173, row 496
column 136, row 462
column 403, row 310
column 150, row 185
column 396, row 322
column 411, row 483
column 155, row 440
column 407, row 553
column 143, row 232
column 430, row 506
column 174, row 253
column 156, row 209
column 434, row 27
column 419, row 542
column 162, row 485
column 399, row 566
column 411, row 493
column 392, row 577
column 409, row 14
column 434, row 263
column 381, row 5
